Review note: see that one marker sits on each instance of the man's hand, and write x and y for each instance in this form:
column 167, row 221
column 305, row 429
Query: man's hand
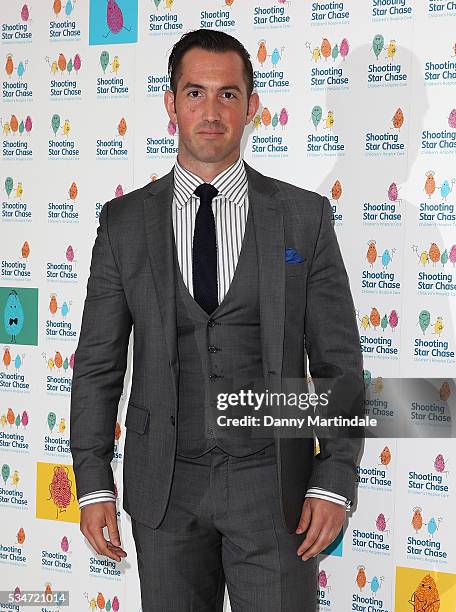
column 93, row 518
column 325, row 518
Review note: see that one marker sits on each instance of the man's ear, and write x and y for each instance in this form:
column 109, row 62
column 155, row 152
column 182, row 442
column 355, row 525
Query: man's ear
column 170, row 105
column 254, row 103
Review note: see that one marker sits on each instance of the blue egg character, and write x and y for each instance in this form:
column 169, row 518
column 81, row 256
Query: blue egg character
column 68, row 8
column 386, row 258
column 275, row 57
column 20, row 69
column 65, row 309
column 375, row 584
column 445, row 189
column 13, row 316
column 18, row 362
column 432, row 526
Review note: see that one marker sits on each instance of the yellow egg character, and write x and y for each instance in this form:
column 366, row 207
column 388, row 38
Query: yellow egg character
column 424, row 258
column 66, row 127
column 257, row 121
column 15, row 478
column 365, row 322
column 62, row 425
column 438, row 326
column 19, row 190
column 391, row 51
column 169, row 4
column 6, row 128
column 329, row 120
column 115, row 65
column 3, row 420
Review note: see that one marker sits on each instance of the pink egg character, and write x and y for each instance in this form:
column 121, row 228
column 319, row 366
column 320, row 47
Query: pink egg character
column 344, row 48
column 28, row 124
column 452, row 118
column 393, row 319
column 69, row 253
column 114, row 17
column 64, row 544
column 452, row 256
column 119, row 191
column 72, row 361
column 25, row 418
column 439, row 463
column 283, row 117
column 25, row 13
column 380, row 522
column 322, row 579
column 392, row 192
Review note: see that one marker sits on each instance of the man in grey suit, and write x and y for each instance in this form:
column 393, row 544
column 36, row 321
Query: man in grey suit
column 224, row 274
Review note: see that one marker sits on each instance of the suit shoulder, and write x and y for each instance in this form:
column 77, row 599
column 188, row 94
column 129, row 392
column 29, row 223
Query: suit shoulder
column 298, row 196
column 126, row 206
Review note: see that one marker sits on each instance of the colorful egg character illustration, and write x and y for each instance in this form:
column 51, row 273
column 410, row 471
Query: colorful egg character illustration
column 385, row 456
column 417, row 519
column 13, row 315
column 60, row 489
column 426, row 597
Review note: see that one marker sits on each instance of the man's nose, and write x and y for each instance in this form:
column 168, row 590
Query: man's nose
column 212, row 109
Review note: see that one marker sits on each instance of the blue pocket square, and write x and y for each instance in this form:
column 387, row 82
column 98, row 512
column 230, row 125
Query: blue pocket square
column 292, row 256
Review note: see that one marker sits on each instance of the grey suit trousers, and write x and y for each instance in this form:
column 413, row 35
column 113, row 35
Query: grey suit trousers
column 223, row 525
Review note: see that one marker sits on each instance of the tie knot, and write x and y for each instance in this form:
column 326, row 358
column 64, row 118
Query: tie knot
column 206, row 192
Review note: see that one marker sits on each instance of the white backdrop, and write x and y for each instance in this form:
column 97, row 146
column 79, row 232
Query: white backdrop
column 357, row 103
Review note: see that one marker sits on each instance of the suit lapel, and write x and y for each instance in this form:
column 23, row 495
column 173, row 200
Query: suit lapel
column 270, row 240
column 158, row 225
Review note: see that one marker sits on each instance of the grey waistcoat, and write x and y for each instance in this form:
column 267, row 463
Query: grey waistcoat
column 214, row 349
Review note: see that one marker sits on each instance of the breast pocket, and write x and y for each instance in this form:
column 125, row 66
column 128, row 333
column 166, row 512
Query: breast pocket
column 295, row 269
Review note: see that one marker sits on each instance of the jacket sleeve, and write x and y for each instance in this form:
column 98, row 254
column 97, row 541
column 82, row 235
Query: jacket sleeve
column 333, row 346
column 99, row 367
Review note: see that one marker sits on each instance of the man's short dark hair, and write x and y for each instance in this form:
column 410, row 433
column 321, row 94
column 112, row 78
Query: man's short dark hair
column 209, row 40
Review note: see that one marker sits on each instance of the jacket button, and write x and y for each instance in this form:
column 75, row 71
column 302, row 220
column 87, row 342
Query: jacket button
column 211, row 323
column 173, row 420
column 212, row 349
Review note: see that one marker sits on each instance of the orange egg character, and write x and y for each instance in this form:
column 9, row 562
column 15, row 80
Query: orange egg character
column 374, row 317
column 117, row 431
column 10, row 416
column 14, row 124
column 262, row 52
column 371, row 255
column 101, row 601
column 398, row 118
column 266, row 116
column 445, row 391
column 57, row 7
column 53, row 304
column 429, row 185
column 9, row 67
column 20, row 536
column 361, row 576
column 58, row 359
column 336, row 190
column 7, row 357
column 325, row 48
column 25, row 251
column 122, row 127
column 385, row 456
column 434, row 253
column 62, row 63
column 426, row 596
column 73, row 191
column 417, row 519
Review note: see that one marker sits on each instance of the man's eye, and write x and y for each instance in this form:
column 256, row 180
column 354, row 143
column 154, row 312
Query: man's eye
column 230, row 93
column 195, row 91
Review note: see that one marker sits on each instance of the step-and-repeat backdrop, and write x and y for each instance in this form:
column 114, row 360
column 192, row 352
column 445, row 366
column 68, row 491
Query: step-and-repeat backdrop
column 358, row 102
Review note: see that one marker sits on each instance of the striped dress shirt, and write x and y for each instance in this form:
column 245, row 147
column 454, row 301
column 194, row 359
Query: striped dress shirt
column 230, row 208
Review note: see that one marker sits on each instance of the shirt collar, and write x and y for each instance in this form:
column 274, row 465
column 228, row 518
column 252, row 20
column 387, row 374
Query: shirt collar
column 231, row 183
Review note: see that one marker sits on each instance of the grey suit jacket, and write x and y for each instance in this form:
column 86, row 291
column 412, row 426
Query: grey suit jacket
column 305, row 307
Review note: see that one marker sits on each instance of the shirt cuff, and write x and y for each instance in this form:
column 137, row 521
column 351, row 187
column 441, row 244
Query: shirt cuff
column 329, row 496
column 103, row 495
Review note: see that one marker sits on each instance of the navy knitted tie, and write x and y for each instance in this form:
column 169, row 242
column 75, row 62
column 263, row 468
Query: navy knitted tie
column 205, row 251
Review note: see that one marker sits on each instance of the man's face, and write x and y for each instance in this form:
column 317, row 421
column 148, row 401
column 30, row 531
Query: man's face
column 211, row 106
